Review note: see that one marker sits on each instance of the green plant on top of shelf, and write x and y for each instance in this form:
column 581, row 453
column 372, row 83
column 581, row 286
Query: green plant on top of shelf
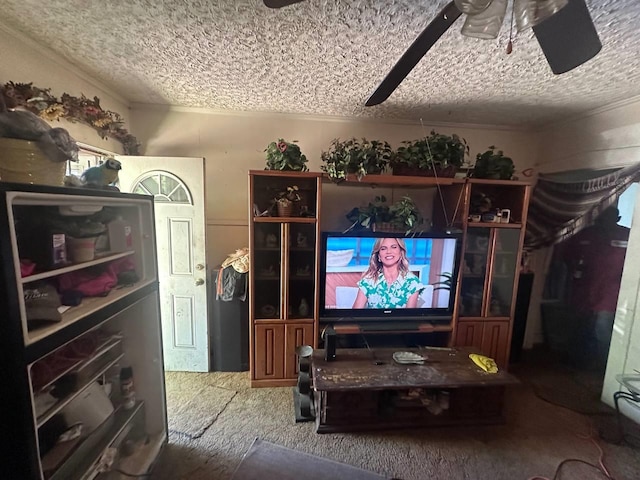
column 360, row 157
column 283, row 155
column 434, row 152
column 493, row 164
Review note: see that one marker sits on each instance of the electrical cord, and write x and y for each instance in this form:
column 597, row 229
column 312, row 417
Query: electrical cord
column 600, row 468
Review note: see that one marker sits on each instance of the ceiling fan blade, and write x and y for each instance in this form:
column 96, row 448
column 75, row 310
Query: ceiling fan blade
column 568, row 38
column 280, row 3
column 414, row 53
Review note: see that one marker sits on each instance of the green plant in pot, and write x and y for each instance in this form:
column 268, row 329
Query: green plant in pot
column 405, row 215
column 360, row 157
column 285, row 201
column 366, row 217
column 493, row 164
column 402, row 216
column 434, row 155
column 283, row 155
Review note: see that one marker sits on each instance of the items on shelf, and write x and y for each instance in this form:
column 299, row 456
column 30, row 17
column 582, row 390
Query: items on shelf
column 127, row 391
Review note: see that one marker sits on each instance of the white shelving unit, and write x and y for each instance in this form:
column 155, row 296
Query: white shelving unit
column 50, row 368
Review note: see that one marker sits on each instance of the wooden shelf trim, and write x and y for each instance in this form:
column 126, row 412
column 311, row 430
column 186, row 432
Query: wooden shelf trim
column 310, row 220
column 386, row 180
column 420, row 327
column 493, row 225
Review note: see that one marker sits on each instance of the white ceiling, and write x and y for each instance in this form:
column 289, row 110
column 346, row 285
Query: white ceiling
column 325, row 57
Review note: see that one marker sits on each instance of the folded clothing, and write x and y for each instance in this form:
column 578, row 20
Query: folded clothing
column 41, row 302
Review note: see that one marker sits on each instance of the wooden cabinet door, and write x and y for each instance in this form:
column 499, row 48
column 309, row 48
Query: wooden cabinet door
column 495, row 341
column 469, row 333
column 296, row 335
column 491, row 337
column 268, row 359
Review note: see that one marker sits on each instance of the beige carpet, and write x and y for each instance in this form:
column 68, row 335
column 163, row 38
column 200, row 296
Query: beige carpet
column 538, row 436
column 193, row 410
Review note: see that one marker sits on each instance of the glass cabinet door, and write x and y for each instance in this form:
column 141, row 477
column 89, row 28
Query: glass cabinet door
column 268, row 272
column 474, row 271
column 302, row 270
column 493, row 252
column 503, row 271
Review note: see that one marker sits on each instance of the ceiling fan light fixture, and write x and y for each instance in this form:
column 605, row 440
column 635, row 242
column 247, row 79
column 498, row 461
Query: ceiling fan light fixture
column 486, row 24
column 472, row 7
column 529, row 13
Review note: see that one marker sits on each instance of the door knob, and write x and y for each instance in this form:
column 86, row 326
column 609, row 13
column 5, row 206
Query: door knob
column 199, row 266
column 199, row 282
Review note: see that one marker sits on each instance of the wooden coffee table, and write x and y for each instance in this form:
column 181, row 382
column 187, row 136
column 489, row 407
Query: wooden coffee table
column 366, row 389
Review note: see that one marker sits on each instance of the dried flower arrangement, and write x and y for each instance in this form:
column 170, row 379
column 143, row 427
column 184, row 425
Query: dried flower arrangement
column 81, row 109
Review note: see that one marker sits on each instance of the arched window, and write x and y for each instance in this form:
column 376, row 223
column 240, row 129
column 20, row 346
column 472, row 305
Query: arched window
column 164, row 186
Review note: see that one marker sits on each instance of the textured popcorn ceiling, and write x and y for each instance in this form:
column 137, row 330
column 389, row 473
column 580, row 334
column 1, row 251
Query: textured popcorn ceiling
column 325, row 57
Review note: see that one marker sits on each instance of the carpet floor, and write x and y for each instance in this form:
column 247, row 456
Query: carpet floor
column 537, row 437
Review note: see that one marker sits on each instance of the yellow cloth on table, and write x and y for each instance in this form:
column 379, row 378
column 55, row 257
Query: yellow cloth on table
column 485, row 363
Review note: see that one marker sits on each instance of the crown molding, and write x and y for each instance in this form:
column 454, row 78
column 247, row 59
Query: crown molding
column 591, row 113
column 323, row 118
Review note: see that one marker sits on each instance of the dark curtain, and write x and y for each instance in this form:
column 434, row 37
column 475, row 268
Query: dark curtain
column 563, row 204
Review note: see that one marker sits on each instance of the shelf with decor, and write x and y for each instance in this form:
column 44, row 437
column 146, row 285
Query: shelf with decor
column 283, row 273
column 490, row 267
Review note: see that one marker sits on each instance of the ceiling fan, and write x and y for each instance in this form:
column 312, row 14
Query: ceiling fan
column 563, row 28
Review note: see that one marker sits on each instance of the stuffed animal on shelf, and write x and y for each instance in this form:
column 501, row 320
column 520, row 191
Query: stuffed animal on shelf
column 102, row 175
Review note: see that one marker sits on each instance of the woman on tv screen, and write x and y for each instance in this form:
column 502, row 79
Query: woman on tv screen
column 388, row 283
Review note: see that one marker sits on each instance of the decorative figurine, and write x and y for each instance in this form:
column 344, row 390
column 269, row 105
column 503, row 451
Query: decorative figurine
column 271, row 241
column 102, row 175
column 303, row 309
column 301, row 240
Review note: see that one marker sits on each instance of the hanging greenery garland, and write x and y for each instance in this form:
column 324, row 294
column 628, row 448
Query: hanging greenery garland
column 81, row 109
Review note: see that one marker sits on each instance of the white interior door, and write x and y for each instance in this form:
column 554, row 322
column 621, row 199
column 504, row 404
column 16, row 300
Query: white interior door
column 178, row 187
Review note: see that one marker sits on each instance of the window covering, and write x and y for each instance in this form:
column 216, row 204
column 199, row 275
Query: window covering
column 563, row 204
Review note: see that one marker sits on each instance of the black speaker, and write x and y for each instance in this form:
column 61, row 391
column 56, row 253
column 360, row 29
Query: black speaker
column 330, row 339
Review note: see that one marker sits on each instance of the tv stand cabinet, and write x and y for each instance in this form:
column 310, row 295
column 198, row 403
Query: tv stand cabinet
column 284, row 272
column 365, row 389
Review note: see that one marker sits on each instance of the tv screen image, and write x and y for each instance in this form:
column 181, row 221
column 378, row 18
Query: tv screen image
column 377, row 275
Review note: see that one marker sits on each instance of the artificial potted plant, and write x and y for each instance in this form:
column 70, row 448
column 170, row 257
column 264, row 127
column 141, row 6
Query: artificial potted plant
column 405, row 215
column 360, row 157
column 400, row 217
column 283, row 155
column 285, row 201
column 435, row 155
column 366, row 217
column 493, row 164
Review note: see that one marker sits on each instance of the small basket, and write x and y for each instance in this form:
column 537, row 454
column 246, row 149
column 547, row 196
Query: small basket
column 21, row 161
column 285, row 209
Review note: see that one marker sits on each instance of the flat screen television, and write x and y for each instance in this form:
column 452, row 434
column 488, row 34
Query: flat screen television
column 358, row 280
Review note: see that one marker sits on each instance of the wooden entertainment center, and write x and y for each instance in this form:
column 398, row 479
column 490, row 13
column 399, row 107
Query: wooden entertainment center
column 285, row 264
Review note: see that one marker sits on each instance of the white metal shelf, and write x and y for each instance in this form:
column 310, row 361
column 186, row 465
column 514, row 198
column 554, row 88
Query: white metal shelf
column 103, row 258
